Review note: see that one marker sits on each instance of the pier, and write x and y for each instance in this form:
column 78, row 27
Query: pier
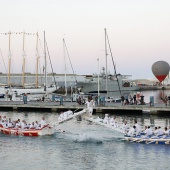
column 109, row 107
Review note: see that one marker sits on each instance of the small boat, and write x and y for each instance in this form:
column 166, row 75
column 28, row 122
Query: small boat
column 46, row 130
column 163, row 140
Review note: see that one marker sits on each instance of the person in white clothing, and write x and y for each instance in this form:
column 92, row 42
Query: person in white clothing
column 106, row 119
column 65, row 115
column 23, row 125
column 89, row 108
column 112, row 121
column 37, row 126
column 61, row 116
column 125, row 127
column 166, row 131
column 156, row 131
column 138, row 128
column 132, row 131
column 9, row 124
column 4, row 124
column 18, row 124
column 43, row 122
column 148, row 132
column 69, row 112
column 32, row 126
column 5, row 119
column 160, row 131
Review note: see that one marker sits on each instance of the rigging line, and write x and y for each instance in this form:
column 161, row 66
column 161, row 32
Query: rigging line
column 3, row 62
column 51, row 65
column 113, row 64
column 70, row 61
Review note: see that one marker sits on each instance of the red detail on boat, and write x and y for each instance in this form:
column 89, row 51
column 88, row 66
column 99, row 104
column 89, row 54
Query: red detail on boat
column 22, row 132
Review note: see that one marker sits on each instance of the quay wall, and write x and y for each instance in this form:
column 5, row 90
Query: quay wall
column 56, row 107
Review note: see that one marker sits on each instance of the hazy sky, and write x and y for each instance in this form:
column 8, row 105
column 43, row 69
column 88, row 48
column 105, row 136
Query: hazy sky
column 138, row 30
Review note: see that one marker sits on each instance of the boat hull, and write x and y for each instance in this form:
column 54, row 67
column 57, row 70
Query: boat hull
column 92, row 87
column 28, row 132
column 161, row 140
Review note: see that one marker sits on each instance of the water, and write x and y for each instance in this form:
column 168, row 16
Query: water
column 82, row 146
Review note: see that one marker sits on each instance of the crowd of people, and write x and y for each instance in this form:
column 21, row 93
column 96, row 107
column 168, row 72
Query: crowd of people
column 18, row 124
column 133, row 100
column 64, row 115
column 148, row 132
column 136, row 130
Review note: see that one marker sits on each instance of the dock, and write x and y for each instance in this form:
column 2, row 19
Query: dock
column 56, row 107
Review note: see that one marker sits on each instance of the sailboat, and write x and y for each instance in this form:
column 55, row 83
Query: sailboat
column 107, row 82
column 8, row 90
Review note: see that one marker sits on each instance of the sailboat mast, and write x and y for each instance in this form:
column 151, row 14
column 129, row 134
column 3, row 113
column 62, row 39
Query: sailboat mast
column 9, row 60
column 106, row 62
column 37, row 60
column 45, row 58
column 23, row 65
column 65, row 67
column 98, row 79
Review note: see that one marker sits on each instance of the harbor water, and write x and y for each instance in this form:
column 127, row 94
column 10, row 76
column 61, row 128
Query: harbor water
column 82, row 145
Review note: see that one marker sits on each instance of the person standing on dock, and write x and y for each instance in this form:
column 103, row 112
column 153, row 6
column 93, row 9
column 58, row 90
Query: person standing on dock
column 169, row 99
column 166, row 100
column 89, row 107
column 122, row 100
column 134, row 99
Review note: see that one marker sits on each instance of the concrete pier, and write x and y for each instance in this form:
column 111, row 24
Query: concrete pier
column 109, row 107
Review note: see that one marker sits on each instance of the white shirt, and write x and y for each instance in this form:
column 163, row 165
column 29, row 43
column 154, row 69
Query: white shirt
column 43, row 123
column 112, row 121
column 148, row 132
column 17, row 125
column 65, row 115
column 125, row 126
column 10, row 124
column 23, row 125
column 32, row 126
column 160, row 132
column 131, row 132
column 61, row 117
column 69, row 112
column 156, row 132
column 37, row 126
column 166, row 132
column 106, row 119
column 88, row 104
column 91, row 103
column 4, row 124
column 138, row 129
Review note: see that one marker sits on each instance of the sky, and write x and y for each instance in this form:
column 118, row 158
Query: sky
column 138, row 31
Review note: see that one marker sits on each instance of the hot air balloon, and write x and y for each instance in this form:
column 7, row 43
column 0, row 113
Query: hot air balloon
column 160, row 69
